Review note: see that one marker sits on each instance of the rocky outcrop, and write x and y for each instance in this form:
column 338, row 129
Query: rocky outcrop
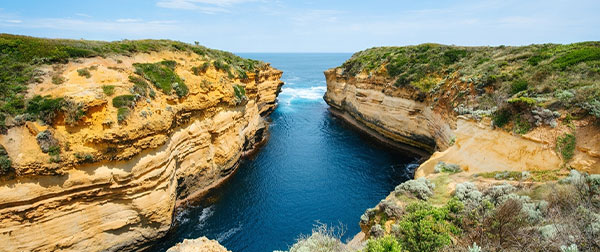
column 114, row 184
column 435, row 120
column 201, row 244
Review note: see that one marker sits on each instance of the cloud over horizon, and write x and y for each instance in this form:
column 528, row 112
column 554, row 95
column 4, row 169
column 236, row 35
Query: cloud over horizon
column 310, row 26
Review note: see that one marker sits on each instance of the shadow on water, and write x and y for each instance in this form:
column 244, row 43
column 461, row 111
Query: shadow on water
column 314, row 168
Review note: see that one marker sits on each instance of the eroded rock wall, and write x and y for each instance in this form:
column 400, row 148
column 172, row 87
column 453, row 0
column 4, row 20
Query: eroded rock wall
column 125, row 196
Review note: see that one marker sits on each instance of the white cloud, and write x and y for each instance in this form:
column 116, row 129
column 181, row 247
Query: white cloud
column 14, row 21
column 83, row 15
column 206, row 6
column 128, row 20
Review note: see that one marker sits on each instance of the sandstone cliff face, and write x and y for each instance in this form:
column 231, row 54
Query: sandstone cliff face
column 404, row 116
column 116, row 184
column 201, row 244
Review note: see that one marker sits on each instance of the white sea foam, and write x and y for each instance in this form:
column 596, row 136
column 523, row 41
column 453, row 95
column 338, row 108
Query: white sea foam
column 312, row 93
column 206, row 213
column 225, row 235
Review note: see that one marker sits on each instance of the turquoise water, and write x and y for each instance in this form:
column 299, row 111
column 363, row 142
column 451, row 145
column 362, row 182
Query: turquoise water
column 313, row 168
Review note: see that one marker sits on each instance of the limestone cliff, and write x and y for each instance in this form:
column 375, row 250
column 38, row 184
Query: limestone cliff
column 108, row 174
column 500, row 123
column 201, row 244
column 454, row 99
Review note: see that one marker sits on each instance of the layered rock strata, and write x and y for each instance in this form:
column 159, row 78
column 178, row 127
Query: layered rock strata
column 117, row 182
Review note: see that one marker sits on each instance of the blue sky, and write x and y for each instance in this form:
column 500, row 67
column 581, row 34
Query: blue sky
column 308, row 26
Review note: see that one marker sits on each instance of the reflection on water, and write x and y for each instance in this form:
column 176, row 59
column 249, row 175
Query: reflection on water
column 314, row 168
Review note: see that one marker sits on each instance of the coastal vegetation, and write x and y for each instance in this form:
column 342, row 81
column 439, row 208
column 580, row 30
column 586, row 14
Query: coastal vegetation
column 22, row 56
column 558, row 214
column 509, row 83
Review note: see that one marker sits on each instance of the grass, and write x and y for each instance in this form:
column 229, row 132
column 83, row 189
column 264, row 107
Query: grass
column 162, row 76
column 534, row 176
column 108, row 90
column 22, row 55
column 84, row 72
column 197, row 70
column 565, row 145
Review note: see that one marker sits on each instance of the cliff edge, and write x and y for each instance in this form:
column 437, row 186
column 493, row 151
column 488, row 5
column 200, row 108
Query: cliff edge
column 102, row 140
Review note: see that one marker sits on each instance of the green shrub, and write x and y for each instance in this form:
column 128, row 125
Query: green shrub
column 169, row 63
column 197, row 70
column 239, row 91
column 322, row 239
column 501, row 117
column 162, row 76
column 421, row 188
column 522, row 126
column 454, row 55
column 57, row 79
column 5, row 162
column 523, row 100
column 122, row 114
column 221, row 66
column 449, row 168
column 124, row 101
column 242, row 75
column 84, row 72
column 426, row 228
column 518, row 86
column 44, row 108
column 74, row 111
column 565, row 145
column 140, row 86
column 577, row 56
column 384, row 244
column 108, row 90
column 54, row 150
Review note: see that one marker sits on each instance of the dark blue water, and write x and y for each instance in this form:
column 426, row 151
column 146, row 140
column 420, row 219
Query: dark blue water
column 313, row 168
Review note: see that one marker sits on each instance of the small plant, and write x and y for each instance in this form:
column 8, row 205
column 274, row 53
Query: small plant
column 385, row 244
column 421, row 188
column 221, row 66
column 240, row 93
column 518, row 86
column 501, row 118
column 124, row 101
column 162, row 76
column 140, row 86
column 57, row 79
column 565, row 145
column 108, row 90
column 44, row 108
column 84, row 72
column 5, row 162
column 197, row 70
column 449, row 168
column 122, row 114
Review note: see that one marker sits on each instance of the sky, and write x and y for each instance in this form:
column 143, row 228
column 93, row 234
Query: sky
column 308, row 26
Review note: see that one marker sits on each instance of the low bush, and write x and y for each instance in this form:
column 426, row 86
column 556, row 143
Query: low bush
column 108, row 90
column 122, row 114
column 322, row 238
column 577, row 56
column 122, row 101
column 239, row 92
column 162, row 76
column 421, row 188
column 565, row 145
column 84, row 72
column 140, row 86
column 57, row 79
column 5, row 162
column 449, row 168
column 197, row 70
column 44, row 108
column 501, row 117
column 427, row 228
column 518, row 86
column 387, row 243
